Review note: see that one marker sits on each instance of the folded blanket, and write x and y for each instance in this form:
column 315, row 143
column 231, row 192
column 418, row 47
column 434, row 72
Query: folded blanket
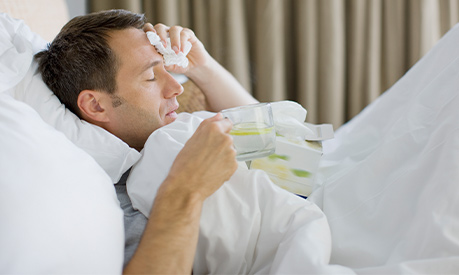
column 249, row 225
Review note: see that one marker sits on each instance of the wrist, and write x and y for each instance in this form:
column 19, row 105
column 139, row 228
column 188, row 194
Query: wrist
column 203, row 73
column 181, row 190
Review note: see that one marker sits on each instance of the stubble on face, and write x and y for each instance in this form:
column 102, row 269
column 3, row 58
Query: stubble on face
column 140, row 105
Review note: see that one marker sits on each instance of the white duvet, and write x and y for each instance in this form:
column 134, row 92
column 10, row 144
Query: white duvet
column 390, row 178
column 249, row 226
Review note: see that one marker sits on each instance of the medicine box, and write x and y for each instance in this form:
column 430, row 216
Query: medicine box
column 293, row 165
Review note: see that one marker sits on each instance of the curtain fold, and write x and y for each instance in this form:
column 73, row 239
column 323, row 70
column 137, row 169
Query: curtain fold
column 332, row 56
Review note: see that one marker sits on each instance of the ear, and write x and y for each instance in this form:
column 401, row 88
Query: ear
column 91, row 108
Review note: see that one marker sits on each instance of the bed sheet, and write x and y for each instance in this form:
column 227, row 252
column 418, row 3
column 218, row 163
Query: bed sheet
column 389, row 181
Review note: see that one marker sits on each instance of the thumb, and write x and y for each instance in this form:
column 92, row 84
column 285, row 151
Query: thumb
column 217, row 117
column 224, row 124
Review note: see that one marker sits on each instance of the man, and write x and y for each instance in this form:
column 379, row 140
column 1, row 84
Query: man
column 104, row 69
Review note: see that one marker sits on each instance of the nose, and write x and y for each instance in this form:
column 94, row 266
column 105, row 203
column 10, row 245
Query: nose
column 171, row 86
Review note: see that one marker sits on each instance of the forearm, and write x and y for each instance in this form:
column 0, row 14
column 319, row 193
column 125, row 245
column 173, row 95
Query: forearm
column 220, row 87
column 169, row 241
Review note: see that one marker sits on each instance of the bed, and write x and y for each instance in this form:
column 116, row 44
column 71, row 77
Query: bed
column 388, row 182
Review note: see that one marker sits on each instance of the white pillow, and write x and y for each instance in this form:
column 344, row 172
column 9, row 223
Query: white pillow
column 110, row 152
column 17, row 46
column 58, row 209
column 15, row 51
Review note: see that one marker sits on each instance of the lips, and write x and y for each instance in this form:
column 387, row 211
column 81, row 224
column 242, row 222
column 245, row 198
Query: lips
column 172, row 112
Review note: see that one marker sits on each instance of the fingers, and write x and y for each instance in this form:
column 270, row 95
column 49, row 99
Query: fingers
column 174, row 34
column 224, row 124
column 178, row 35
column 148, row 27
column 208, row 158
column 216, row 117
column 186, row 35
column 162, row 31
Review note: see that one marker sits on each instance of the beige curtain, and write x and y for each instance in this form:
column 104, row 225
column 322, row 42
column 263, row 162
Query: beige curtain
column 332, row 56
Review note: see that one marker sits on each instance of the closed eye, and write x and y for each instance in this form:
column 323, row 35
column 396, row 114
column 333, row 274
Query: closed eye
column 153, row 78
column 149, row 68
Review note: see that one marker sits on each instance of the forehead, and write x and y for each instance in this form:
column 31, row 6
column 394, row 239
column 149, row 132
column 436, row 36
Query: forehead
column 132, row 48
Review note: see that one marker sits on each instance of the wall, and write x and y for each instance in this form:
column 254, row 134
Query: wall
column 76, row 7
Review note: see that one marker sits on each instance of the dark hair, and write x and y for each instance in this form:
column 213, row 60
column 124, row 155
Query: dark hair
column 80, row 58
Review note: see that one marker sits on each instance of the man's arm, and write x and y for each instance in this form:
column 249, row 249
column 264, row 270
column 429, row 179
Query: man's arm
column 169, row 241
column 222, row 90
column 220, row 87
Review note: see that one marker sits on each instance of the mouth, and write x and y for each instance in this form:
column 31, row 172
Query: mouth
column 172, row 113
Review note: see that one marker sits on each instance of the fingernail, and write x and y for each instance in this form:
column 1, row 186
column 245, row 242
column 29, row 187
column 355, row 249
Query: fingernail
column 175, row 49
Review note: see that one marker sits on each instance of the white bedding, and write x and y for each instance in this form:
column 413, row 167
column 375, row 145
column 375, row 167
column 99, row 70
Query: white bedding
column 389, row 181
column 389, row 184
column 21, row 79
column 249, row 226
column 390, row 178
column 59, row 213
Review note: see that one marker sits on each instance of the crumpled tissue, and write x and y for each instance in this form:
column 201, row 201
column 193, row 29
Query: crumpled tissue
column 169, row 55
column 289, row 118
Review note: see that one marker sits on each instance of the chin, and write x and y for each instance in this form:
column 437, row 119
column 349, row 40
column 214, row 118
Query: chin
column 170, row 117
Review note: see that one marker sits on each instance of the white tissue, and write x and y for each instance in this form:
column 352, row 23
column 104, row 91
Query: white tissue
column 289, row 118
column 170, row 57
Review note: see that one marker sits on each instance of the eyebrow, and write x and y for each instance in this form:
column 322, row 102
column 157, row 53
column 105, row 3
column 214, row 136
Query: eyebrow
column 151, row 64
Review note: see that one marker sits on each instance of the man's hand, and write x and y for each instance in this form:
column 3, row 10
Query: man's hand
column 169, row 241
column 221, row 89
column 207, row 160
column 198, row 56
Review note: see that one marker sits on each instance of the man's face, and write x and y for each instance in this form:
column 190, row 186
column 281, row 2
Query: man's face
column 146, row 91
